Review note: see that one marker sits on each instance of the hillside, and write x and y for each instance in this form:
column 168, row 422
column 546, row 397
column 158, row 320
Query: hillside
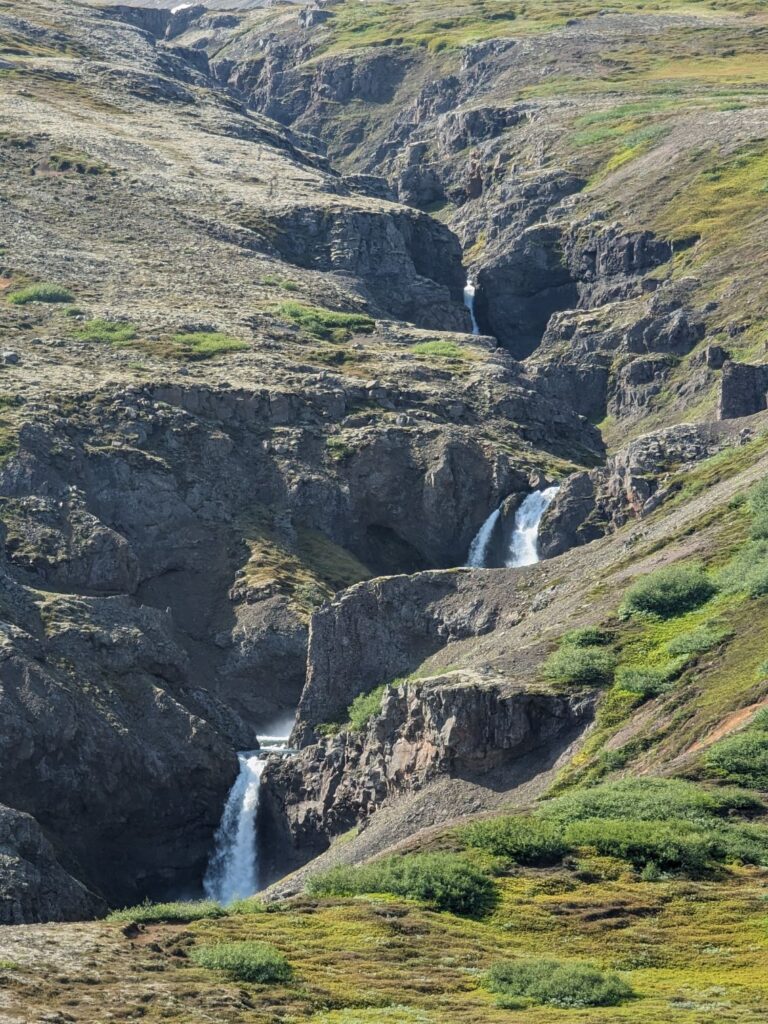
column 252, row 430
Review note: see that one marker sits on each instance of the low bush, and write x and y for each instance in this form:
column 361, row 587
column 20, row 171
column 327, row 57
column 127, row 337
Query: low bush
column 647, row 682
column 244, row 961
column 747, row 571
column 671, row 591
column 40, row 293
column 671, row 846
column 580, row 666
column 177, row 913
column 590, row 636
column 565, row 985
column 698, row 640
column 742, row 758
column 524, row 840
column 649, row 799
column 444, row 881
column 326, row 324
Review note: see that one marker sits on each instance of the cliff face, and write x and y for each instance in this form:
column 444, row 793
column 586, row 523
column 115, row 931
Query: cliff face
column 451, row 728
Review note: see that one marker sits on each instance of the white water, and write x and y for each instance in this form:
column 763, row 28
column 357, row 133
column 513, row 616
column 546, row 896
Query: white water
column 524, row 548
column 233, row 870
column 478, row 549
column 469, row 302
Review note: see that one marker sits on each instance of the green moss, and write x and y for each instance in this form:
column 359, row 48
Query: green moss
column 441, row 350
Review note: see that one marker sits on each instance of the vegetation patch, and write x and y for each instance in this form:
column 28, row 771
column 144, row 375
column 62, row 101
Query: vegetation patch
column 110, row 332
column 245, row 961
column 442, row 350
column 742, row 758
column 176, row 913
column 567, row 985
column 580, row 663
column 206, row 344
column 325, row 324
column 40, row 293
column 671, row 591
column 524, row 840
column 442, row 880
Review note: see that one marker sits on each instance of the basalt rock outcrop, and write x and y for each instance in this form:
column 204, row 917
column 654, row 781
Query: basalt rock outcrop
column 452, row 728
column 629, row 486
column 33, row 884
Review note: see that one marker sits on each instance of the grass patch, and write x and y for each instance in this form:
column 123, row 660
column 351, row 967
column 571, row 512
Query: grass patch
column 325, row 324
column 244, row 961
column 442, row 880
column 40, row 293
column 523, row 840
column 169, row 913
column 206, row 344
column 442, row 350
column 108, row 332
column 565, row 985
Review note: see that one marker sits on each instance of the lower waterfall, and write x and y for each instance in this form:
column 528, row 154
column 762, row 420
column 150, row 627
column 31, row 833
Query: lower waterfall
column 478, row 549
column 233, row 870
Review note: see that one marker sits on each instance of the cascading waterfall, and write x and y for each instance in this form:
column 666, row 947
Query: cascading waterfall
column 469, row 302
column 524, row 548
column 478, row 549
column 233, row 870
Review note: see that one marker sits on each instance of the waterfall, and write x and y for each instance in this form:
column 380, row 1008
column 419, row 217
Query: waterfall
column 524, row 547
column 469, row 302
column 478, row 549
column 233, row 870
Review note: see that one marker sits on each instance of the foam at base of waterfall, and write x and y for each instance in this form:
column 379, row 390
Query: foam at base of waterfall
column 524, row 549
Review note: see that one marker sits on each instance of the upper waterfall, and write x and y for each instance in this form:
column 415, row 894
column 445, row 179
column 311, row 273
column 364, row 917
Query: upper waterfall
column 469, row 302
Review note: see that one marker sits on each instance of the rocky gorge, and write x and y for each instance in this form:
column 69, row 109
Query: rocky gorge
column 249, row 432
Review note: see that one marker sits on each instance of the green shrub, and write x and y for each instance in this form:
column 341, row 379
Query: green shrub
column 364, row 707
column 205, row 344
column 111, row 332
column 326, row 324
column 742, row 758
column 747, row 843
column 747, row 571
column 244, row 961
column 647, row 682
column 651, row 799
column 671, row 591
column 40, row 293
column 580, row 666
column 148, row 913
column 758, row 510
column 443, row 880
column 566, row 985
column 524, row 840
column 762, row 671
column 698, row 640
column 671, row 846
